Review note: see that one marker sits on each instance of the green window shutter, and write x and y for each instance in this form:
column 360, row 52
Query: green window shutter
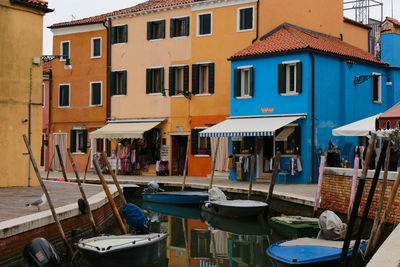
column 297, row 133
column 211, row 75
column 84, row 148
column 113, row 35
column 172, row 28
column 73, row 141
column 125, row 82
column 162, row 29
column 251, row 73
column 194, row 142
column 186, row 78
column 208, row 152
column 162, row 80
column 171, row 81
column 195, row 79
column 148, row 81
column 281, row 79
column 299, row 77
column 187, row 26
column 126, row 33
column 236, row 83
column 113, row 83
column 149, row 30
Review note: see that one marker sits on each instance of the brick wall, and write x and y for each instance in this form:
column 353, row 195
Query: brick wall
column 335, row 196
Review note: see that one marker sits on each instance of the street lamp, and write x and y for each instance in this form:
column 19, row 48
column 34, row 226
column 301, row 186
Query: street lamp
column 186, row 94
column 362, row 78
column 47, row 58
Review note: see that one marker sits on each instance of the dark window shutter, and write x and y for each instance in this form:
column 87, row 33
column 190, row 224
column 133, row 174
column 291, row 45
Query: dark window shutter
column 186, row 78
column 162, row 29
column 149, row 30
column 375, row 87
column 251, row 74
column 299, row 77
column 84, row 147
column 162, row 80
column 208, row 152
column 297, row 132
column 195, row 79
column 125, row 82
column 172, row 28
column 194, row 142
column 281, row 79
column 125, row 33
column 73, row 141
column 211, row 75
column 236, row 83
column 171, row 81
column 148, row 81
column 187, row 26
column 113, row 84
column 113, row 35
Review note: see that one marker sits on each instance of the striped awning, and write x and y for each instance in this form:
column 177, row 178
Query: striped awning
column 250, row 126
column 123, row 130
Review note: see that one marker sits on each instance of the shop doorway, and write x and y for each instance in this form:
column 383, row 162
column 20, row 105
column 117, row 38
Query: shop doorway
column 265, row 147
column 42, row 151
column 179, row 144
column 59, row 139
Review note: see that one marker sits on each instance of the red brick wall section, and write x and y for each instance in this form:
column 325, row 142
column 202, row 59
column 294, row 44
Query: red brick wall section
column 335, row 196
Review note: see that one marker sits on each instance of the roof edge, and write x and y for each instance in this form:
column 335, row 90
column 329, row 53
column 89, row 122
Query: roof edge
column 356, row 23
column 45, row 9
column 77, row 24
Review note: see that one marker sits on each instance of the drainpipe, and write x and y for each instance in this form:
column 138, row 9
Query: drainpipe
column 312, row 118
column 49, row 127
column 30, row 126
column 258, row 6
column 107, row 25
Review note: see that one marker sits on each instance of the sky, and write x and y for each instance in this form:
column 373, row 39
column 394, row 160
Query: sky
column 67, row 10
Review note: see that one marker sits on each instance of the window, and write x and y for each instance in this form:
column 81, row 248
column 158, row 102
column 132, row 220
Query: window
column 119, row 34
column 95, row 93
column 118, row 82
column 204, row 24
column 200, row 145
column 243, row 82
column 154, row 80
column 63, row 95
column 64, row 50
column 290, row 78
column 376, row 87
column 96, row 47
column 288, row 140
column 178, row 80
column 156, row 30
column 78, row 141
column 179, row 27
column 245, row 19
column 243, row 145
column 203, row 78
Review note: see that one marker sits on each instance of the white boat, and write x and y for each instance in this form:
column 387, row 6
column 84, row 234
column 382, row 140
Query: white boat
column 123, row 250
column 235, row 208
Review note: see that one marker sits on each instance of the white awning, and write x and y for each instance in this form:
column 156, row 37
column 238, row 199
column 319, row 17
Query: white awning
column 362, row 127
column 250, row 126
column 283, row 136
column 123, row 130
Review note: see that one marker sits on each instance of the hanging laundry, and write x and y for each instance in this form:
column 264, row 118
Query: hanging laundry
column 299, row 167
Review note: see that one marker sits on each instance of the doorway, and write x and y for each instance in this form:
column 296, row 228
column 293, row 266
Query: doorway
column 59, row 139
column 179, row 144
column 265, row 147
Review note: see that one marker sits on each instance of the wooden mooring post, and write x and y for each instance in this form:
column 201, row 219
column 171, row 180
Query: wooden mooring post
column 61, row 163
column 213, row 164
column 114, row 176
column 273, row 178
column 186, row 163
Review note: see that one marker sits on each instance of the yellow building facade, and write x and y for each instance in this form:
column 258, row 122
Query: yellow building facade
column 21, row 25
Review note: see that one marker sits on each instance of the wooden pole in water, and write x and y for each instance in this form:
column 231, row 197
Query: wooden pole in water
column 87, row 165
column 251, row 176
column 114, row 176
column 78, row 180
column 356, row 204
column 186, row 163
column 109, row 196
column 51, row 164
column 213, row 164
column 273, row 178
column 51, row 206
column 61, row 163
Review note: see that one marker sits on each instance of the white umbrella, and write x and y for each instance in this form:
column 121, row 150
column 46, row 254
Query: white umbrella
column 362, row 127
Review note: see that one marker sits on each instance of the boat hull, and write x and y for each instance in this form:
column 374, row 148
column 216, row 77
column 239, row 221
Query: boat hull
column 235, row 208
column 294, row 230
column 188, row 212
column 179, row 197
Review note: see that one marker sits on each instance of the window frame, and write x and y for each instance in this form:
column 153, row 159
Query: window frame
column 296, row 89
column 101, row 94
column 79, row 131
column 61, row 49
column 182, row 19
column 198, row 34
column 247, row 69
column 69, row 95
column 119, row 27
column 207, row 141
column 379, row 75
column 162, row 78
column 92, row 47
column 238, row 19
column 161, row 30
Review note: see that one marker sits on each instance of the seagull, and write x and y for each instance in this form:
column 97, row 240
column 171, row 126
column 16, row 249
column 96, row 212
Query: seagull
column 39, row 202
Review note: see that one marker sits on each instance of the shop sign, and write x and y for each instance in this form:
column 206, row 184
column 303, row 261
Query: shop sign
column 267, row 109
column 237, row 138
column 164, row 153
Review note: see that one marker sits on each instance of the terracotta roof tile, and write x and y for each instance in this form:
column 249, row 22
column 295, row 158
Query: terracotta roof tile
column 36, row 2
column 288, row 38
column 394, row 21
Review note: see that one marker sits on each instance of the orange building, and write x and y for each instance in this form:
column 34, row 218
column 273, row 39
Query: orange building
column 79, row 95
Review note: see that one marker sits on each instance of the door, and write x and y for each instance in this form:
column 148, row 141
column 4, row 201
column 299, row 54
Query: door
column 179, row 144
column 59, row 139
column 265, row 152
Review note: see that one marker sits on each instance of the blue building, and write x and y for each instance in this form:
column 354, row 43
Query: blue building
column 290, row 89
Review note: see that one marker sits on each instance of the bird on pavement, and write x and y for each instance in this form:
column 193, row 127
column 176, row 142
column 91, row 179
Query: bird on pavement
column 38, row 203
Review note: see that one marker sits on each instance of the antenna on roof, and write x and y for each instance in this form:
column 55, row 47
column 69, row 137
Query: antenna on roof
column 73, row 17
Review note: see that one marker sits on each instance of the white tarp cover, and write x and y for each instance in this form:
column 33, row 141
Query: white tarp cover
column 362, row 127
column 256, row 126
column 123, row 130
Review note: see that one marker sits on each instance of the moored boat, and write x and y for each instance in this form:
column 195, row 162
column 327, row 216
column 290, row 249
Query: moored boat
column 295, row 226
column 235, row 208
column 309, row 252
column 123, row 250
column 188, row 212
column 177, row 197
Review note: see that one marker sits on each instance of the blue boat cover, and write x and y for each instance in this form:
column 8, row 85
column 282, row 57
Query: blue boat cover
column 135, row 217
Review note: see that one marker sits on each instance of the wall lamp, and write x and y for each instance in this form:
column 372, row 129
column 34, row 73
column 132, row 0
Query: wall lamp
column 362, row 78
column 186, row 94
column 47, row 58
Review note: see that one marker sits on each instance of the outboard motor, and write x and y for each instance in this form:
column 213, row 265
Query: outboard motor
column 39, row 252
column 152, row 187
